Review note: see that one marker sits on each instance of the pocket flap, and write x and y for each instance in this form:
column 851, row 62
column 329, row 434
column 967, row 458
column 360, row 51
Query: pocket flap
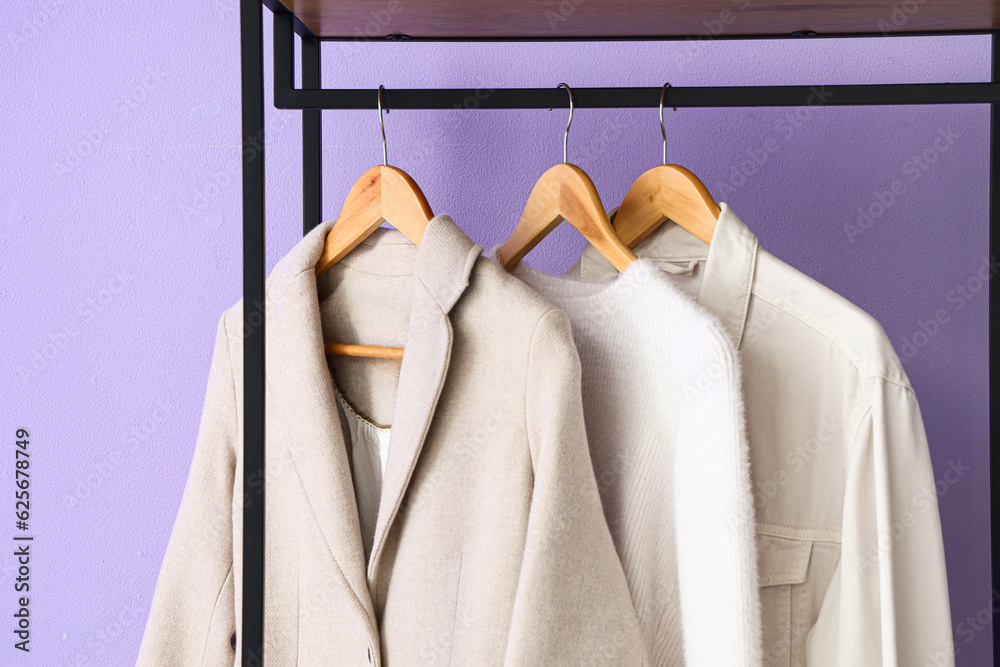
column 781, row 560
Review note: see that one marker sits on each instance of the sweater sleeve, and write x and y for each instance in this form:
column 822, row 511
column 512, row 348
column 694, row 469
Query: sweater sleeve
column 192, row 616
column 572, row 604
column 888, row 602
column 714, row 513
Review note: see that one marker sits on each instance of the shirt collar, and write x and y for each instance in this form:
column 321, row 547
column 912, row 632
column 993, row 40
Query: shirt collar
column 730, row 261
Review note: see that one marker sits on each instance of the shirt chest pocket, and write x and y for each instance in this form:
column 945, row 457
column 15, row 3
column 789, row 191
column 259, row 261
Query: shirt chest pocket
column 785, row 598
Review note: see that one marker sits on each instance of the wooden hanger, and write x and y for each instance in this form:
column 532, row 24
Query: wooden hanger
column 666, row 191
column 382, row 194
column 564, row 192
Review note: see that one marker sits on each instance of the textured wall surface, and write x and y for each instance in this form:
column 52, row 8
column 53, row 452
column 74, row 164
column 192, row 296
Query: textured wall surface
column 120, row 246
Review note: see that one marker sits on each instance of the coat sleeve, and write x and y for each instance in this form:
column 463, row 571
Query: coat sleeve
column 887, row 603
column 572, row 605
column 191, row 619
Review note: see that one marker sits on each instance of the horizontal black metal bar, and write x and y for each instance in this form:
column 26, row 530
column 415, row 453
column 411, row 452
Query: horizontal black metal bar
column 597, row 98
column 286, row 96
column 799, row 34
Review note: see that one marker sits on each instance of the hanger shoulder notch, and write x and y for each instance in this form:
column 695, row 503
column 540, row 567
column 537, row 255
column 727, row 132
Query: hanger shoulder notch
column 564, row 192
column 382, row 194
column 666, row 191
column 404, row 204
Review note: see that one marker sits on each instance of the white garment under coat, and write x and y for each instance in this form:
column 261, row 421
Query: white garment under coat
column 852, row 568
column 664, row 418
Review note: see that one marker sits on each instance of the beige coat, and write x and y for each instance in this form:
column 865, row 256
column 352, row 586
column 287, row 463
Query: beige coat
column 490, row 547
column 851, row 557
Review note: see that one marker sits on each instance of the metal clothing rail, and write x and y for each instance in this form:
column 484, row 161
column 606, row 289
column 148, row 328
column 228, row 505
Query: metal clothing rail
column 619, row 98
column 312, row 98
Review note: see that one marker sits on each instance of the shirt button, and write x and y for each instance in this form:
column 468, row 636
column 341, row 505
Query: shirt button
column 369, row 654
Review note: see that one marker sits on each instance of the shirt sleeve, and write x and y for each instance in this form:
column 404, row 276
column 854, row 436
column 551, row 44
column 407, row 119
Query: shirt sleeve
column 572, row 604
column 192, row 617
column 887, row 604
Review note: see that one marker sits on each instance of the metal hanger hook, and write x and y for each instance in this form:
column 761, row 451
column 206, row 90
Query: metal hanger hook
column 663, row 131
column 381, row 124
column 568, row 122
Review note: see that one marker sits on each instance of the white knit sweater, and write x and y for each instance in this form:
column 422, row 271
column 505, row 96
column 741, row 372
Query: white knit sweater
column 664, row 418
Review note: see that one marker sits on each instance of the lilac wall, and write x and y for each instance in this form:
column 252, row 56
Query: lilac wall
column 120, row 246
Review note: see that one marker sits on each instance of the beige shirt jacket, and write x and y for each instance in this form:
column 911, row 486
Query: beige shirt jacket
column 490, row 546
column 851, row 559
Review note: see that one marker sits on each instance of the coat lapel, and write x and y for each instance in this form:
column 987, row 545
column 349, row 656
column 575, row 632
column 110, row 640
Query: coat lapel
column 441, row 275
column 299, row 381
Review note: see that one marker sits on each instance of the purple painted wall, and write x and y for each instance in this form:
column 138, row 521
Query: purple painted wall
column 120, row 246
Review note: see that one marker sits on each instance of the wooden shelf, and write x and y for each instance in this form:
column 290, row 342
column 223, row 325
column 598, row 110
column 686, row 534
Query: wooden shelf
column 562, row 19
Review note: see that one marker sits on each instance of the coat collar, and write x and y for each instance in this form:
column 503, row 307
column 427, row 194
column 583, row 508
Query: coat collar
column 300, row 383
column 730, row 262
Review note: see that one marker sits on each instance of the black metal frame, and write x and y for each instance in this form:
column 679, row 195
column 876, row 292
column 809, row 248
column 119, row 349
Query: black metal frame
column 312, row 98
column 252, row 68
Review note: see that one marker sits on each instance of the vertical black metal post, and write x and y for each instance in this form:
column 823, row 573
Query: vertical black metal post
column 284, row 57
column 994, row 319
column 252, row 67
column 312, row 140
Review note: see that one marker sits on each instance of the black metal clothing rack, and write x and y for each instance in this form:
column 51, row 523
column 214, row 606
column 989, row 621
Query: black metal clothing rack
column 311, row 99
